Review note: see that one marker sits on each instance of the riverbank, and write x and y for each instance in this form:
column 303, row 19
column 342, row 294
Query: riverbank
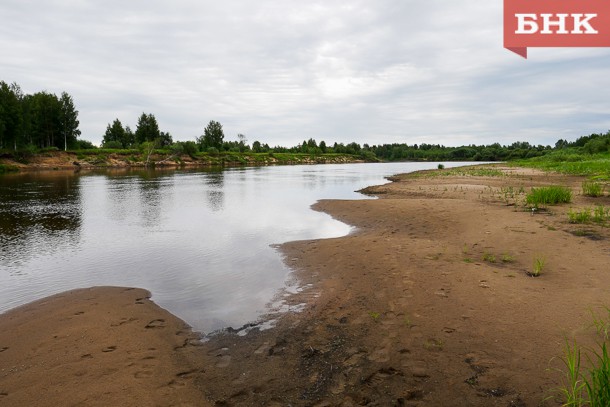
column 93, row 159
column 428, row 303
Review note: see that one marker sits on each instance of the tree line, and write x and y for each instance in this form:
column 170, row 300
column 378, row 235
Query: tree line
column 44, row 120
column 40, row 120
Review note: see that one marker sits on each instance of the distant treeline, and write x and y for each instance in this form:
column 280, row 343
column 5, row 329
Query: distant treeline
column 44, row 120
column 41, row 120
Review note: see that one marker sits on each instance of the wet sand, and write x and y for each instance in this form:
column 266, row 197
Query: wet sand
column 428, row 303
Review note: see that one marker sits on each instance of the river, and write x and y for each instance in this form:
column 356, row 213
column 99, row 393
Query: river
column 203, row 242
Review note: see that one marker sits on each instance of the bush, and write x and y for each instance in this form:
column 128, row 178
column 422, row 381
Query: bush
column 114, row 145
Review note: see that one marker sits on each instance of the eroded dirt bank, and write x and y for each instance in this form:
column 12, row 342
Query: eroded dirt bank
column 404, row 312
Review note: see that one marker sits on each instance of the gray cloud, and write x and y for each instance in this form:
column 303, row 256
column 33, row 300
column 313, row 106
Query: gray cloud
column 283, row 71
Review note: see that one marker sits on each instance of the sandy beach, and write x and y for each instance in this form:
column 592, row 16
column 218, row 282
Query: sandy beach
column 428, row 303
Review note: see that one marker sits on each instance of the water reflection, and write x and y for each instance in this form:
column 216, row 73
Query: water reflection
column 214, row 193
column 40, row 214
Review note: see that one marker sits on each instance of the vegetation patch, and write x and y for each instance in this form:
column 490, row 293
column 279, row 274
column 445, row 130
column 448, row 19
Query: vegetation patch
column 593, row 188
column 599, row 215
column 590, row 385
column 476, row 171
column 539, row 263
column 551, row 195
column 4, row 168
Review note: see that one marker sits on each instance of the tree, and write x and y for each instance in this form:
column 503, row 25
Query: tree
column 68, row 120
column 242, row 143
column 147, row 129
column 212, row 137
column 11, row 117
column 256, row 147
column 165, row 139
column 44, row 121
column 323, row 146
column 114, row 134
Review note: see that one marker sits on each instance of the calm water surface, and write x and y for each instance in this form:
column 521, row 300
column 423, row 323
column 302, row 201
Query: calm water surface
column 201, row 241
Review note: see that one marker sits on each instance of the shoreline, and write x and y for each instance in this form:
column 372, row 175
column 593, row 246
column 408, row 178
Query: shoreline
column 405, row 311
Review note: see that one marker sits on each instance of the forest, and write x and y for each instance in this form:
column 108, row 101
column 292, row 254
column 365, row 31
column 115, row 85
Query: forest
column 30, row 123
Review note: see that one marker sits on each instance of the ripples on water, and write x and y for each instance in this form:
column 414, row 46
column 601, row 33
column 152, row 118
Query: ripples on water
column 200, row 241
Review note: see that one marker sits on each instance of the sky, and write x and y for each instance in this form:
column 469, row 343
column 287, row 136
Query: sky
column 284, row 71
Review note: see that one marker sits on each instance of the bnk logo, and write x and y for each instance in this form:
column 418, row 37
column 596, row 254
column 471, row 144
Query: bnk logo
column 555, row 23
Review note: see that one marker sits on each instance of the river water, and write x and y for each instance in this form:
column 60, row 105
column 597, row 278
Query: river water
column 201, row 241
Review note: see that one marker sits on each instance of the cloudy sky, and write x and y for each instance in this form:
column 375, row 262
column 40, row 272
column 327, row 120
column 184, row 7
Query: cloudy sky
column 281, row 71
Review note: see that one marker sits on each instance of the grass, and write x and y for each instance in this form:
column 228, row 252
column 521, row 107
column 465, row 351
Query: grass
column 476, row 171
column 507, row 258
column 551, row 195
column 593, row 188
column 600, row 215
column 489, row 257
column 582, row 216
column 375, row 315
column 539, row 262
column 597, row 166
column 602, row 325
column 434, row 344
column 591, row 386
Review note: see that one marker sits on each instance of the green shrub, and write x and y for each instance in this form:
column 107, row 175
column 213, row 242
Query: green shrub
column 551, row 195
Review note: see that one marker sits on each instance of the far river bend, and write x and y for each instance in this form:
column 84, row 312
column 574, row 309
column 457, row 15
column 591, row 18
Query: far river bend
column 201, row 241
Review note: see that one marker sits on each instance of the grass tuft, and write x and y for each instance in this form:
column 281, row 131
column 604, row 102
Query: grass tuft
column 539, row 263
column 592, row 188
column 551, row 195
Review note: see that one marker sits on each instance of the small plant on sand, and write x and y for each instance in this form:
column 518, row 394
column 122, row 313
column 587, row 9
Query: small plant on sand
column 601, row 324
column 434, row 344
column 375, row 315
column 582, row 216
column 507, row 258
column 489, row 257
column 539, row 262
column 548, row 196
column 601, row 214
column 592, row 188
column 441, row 167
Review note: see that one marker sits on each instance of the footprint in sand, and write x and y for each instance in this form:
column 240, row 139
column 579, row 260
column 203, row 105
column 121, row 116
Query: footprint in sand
column 143, row 374
column 224, row 361
column 155, row 324
column 2, row 349
column 223, row 357
column 109, row 349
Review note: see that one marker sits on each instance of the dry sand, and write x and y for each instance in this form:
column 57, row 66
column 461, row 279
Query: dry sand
column 403, row 312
